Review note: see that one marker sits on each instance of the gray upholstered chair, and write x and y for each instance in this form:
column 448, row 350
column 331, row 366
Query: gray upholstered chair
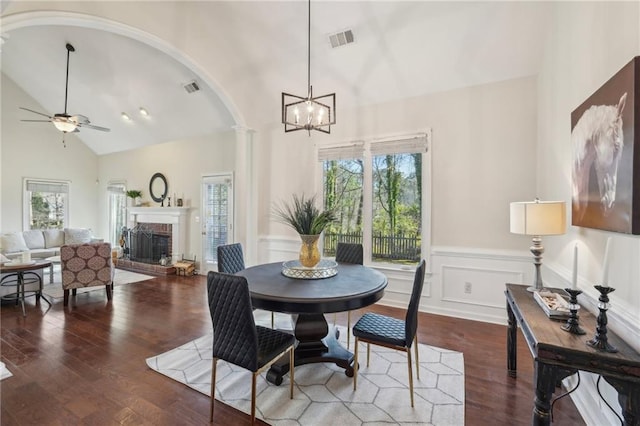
column 86, row 265
column 349, row 253
column 237, row 339
column 391, row 332
column 231, row 261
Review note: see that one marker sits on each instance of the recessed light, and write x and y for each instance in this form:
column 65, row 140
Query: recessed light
column 125, row 116
column 144, row 112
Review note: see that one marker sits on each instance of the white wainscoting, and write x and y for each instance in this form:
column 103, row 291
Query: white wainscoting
column 451, row 269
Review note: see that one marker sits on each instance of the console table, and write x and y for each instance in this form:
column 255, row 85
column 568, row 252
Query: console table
column 558, row 354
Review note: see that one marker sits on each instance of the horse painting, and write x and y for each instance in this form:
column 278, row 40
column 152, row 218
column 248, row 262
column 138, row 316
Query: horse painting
column 597, row 140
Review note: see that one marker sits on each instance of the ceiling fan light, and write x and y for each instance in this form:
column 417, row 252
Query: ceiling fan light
column 65, row 126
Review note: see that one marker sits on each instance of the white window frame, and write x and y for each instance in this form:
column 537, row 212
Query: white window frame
column 347, row 150
column 115, row 184
column 26, row 199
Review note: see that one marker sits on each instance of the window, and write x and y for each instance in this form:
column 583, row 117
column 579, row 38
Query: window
column 117, row 204
column 46, row 204
column 376, row 190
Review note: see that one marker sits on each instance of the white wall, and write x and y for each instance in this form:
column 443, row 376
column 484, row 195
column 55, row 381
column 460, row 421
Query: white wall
column 588, row 43
column 35, row 150
column 183, row 163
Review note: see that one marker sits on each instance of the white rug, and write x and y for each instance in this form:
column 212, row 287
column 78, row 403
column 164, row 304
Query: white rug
column 4, row 372
column 323, row 394
column 121, row 277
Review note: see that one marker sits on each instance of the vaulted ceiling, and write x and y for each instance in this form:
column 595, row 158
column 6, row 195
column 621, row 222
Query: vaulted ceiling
column 253, row 50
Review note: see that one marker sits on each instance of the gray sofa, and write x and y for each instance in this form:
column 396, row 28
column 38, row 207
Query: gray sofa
column 42, row 243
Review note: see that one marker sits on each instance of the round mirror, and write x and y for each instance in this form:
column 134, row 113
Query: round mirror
column 158, row 187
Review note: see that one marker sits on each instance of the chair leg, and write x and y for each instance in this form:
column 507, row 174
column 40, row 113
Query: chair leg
column 348, row 327
column 253, row 398
column 410, row 374
column 417, row 358
column 291, row 372
column 355, row 364
column 74, row 291
column 368, row 353
column 66, row 297
column 213, row 386
column 108, row 287
column 273, row 320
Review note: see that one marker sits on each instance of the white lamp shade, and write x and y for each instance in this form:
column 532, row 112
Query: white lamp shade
column 538, row 217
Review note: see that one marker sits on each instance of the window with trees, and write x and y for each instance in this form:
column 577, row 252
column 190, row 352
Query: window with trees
column 376, row 189
column 46, row 204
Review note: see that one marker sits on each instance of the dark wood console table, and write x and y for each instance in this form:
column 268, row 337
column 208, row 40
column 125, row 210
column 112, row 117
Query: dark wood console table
column 558, row 354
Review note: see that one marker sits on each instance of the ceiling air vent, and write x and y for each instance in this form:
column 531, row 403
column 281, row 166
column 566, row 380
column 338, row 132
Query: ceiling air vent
column 191, row 87
column 341, row 38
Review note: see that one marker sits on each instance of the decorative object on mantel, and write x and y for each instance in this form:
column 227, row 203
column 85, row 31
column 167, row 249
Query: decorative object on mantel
column 538, row 218
column 158, row 188
column 135, row 195
column 308, row 113
column 303, row 216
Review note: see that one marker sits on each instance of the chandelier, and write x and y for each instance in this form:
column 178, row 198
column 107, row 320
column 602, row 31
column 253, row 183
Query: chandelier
column 308, row 113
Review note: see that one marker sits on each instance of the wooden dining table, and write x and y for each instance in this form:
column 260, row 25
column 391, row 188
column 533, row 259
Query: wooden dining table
column 307, row 300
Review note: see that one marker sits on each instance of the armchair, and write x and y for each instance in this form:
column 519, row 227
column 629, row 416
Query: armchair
column 86, row 265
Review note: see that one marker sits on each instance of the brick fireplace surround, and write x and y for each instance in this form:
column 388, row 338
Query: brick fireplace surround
column 160, row 219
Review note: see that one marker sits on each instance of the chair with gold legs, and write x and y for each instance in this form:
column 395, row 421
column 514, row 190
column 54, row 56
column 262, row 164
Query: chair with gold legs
column 236, row 337
column 231, row 261
column 392, row 332
column 348, row 253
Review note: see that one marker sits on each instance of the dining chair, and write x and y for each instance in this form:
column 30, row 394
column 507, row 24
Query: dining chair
column 236, row 337
column 348, row 253
column 391, row 332
column 231, row 261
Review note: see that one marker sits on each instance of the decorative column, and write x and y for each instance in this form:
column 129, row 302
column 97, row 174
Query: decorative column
column 245, row 194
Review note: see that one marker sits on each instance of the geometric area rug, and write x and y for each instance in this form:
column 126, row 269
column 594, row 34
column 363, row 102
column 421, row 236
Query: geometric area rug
column 121, row 277
column 323, row 394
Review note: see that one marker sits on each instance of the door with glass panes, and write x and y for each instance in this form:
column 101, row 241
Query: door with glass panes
column 217, row 218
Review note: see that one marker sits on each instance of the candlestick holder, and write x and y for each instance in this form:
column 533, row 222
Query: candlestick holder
column 599, row 341
column 572, row 325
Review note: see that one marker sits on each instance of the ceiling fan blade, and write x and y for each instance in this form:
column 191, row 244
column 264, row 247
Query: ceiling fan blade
column 38, row 121
column 91, row 126
column 80, row 119
column 35, row 112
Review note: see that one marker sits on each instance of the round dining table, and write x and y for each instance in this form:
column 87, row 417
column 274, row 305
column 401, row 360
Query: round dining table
column 307, row 300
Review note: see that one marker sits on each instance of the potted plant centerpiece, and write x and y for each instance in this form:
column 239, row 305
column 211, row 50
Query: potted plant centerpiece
column 135, row 195
column 309, row 222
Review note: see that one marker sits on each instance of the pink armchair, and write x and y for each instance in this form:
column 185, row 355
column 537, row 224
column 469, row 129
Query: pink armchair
column 86, row 265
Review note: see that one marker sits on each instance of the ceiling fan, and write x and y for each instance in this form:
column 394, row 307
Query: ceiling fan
column 64, row 122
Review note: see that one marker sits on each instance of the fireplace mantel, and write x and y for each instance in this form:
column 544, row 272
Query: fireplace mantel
column 176, row 216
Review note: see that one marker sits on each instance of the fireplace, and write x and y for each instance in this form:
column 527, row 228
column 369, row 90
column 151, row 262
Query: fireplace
column 149, row 242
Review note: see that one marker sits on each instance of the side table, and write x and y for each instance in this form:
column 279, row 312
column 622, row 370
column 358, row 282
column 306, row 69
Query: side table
column 19, row 270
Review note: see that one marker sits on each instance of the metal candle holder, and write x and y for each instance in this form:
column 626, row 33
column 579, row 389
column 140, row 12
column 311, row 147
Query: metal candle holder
column 599, row 341
column 572, row 325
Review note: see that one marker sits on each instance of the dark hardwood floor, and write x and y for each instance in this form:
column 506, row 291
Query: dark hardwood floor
column 87, row 365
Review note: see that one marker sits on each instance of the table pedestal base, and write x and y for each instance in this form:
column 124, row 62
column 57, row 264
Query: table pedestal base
column 316, row 343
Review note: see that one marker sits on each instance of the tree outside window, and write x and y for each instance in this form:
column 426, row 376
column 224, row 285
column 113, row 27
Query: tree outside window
column 46, row 204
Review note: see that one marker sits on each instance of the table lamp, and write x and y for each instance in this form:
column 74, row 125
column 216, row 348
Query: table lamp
column 538, row 218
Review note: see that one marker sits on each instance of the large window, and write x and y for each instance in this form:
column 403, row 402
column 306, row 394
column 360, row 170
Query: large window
column 376, row 190
column 117, row 202
column 46, row 204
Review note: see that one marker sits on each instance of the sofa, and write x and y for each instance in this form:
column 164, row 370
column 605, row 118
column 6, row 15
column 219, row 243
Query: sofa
column 43, row 243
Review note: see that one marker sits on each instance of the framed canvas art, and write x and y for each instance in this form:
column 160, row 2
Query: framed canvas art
column 605, row 159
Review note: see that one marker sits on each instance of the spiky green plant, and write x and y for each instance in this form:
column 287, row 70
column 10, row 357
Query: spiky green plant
column 134, row 193
column 303, row 215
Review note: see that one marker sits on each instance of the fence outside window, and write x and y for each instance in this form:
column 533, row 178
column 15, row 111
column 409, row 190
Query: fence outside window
column 399, row 248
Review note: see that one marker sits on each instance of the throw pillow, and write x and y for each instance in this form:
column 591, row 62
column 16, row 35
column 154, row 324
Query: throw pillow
column 13, row 242
column 34, row 239
column 53, row 237
column 77, row 236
